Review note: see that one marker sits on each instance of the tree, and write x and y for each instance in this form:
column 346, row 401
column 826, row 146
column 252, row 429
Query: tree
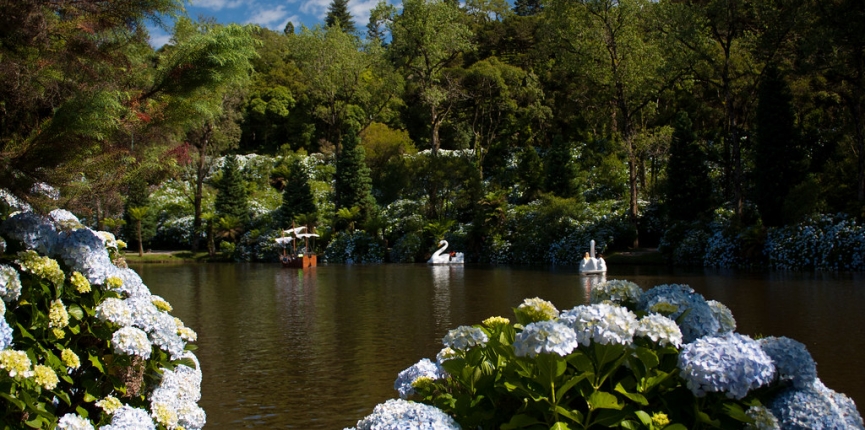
column 142, row 228
column 560, row 171
column 289, row 29
column 427, row 38
column 527, row 7
column 778, row 164
column 353, row 185
column 138, row 214
column 339, row 16
column 232, row 198
column 689, row 189
column 297, row 197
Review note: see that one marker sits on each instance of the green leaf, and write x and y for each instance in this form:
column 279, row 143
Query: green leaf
column 704, row 418
column 88, row 398
column 75, row 311
column 639, row 398
column 560, row 426
column 644, row 418
column 610, row 418
column 570, row 384
column 13, row 400
column 735, row 411
column 581, row 362
column 81, row 411
column 675, row 427
column 520, row 421
column 96, row 363
column 62, row 395
column 35, row 423
column 186, row 361
column 648, row 357
column 602, row 400
column 573, row 415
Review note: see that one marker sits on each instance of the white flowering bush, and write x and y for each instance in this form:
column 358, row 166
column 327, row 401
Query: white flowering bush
column 354, row 247
column 661, row 359
column 83, row 343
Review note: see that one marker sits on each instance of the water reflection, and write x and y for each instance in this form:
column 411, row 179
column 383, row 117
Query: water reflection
column 318, row 349
column 591, row 281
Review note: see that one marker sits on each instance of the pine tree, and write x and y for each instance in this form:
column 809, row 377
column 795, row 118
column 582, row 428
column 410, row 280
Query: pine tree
column 778, row 160
column 289, row 29
column 560, row 170
column 297, row 198
column 689, row 189
column 338, row 14
column 232, row 199
column 353, row 184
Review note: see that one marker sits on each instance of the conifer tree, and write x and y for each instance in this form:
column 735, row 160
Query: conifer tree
column 232, row 199
column 297, row 198
column 689, row 189
column 778, row 160
column 353, row 184
column 560, row 170
column 289, row 29
column 527, row 7
column 338, row 14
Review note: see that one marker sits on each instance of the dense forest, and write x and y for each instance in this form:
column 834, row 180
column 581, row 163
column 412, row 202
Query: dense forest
column 716, row 129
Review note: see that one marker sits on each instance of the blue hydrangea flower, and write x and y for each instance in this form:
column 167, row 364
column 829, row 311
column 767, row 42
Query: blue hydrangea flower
column 814, row 407
column 763, row 419
column 5, row 334
column 792, row 360
column 398, row 414
column 34, row 231
column 723, row 315
column 405, row 379
column 673, row 300
column 733, row 364
column 464, row 337
column 603, row 323
column 547, row 337
column 660, row 329
column 616, row 291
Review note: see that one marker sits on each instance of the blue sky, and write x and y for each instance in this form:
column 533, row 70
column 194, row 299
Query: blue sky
column 273, row 14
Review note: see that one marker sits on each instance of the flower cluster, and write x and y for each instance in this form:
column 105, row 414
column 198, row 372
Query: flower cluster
column 792, row 360
column 733, row 364
column 545, row 337
column 535, row 310
column 601, row 323
column 406, row 379
column 398, row 414
column 763, row 419
column 43, row 267
column 16, row 363
column 174, row 400
column 465, row 337
column 673, row 300
column 131, row 341
column 74, row 422
column 660, row 329
column 723, row 315
column 10, row 283
column 815, row 407
column 616, row 291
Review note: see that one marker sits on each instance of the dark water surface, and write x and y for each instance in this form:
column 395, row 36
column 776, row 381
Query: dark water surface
column 318, row 349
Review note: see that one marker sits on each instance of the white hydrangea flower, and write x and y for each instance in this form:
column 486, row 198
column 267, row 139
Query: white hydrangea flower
column 131, row 341
column 724, row 316
column 447, row 353
column 660, row 329
column 74, row 422
column 602, row 323
column 763, row 419
column 464, row 337
column 10, row 283
column 616, row 291
column 398, row 414
column 177, row 393
column 129, row 418
column 114, row 310
column 545, row 337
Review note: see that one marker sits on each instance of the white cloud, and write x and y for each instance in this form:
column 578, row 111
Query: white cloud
column 317, row 8
column 360, row 11
column 158, row 38
column 273, row 18
column 216, row 5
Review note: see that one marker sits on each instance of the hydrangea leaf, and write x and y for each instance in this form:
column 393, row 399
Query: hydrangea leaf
column 648, row 357
column 602, row 400
column 573, row 415
column 644, row 418
column 520, row 421
column 570, row 384
column 639, row 398
column 75, row 311
column 560, row 426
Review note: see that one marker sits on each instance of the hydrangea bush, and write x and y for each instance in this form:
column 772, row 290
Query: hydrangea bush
column 83, row 342
column 660, row 359
column 354, row 247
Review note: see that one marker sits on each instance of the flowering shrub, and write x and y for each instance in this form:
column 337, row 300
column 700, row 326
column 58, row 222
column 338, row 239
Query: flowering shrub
column 83, row 343
column 822, row 243
column 354, row 247
column 605, row 365
column 406, row 248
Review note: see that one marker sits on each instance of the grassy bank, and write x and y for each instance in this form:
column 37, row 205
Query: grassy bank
column 172, row 257
column 637, row 256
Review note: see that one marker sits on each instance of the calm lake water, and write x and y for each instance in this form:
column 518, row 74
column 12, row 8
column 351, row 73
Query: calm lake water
column 318, row 349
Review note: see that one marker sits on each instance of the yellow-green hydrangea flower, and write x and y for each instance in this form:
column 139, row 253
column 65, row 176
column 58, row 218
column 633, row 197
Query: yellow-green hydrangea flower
column 58, row 333
column 70, row 359
column 113, row 282
column 45, row 376
column 492, row 322
column 109, row 404
column 16, row 363
column 184, row 332
column 57, row 315
column 422, row 382
column 536, row 310
column 164, row 414
column 82, row 285
column 161, row 303
column 43, row 267
column 664, row 308
column 121, row 244
column 660, row 419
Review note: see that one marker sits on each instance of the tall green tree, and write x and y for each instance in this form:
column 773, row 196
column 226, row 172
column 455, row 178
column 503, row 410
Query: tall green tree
column 428, row 37
column 297, row 197
column 339, row 16
column 689, row 189
column 232, row 197
column 353, row 186
column 527, row 7
column 142, row 229
column 778, row 161
column 560, row 170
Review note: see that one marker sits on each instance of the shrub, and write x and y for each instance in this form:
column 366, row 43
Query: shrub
column 354, row 247
column 406, row 249
column 618, row 364
column 823, row 243
column 83, row 343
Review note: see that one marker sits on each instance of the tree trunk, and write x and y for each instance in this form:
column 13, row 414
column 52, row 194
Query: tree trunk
column 140, row 242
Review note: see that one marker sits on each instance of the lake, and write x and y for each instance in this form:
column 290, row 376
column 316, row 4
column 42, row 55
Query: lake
column 318, row 349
